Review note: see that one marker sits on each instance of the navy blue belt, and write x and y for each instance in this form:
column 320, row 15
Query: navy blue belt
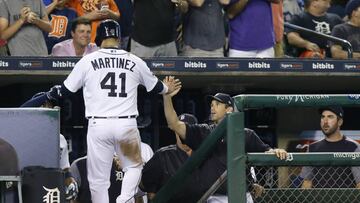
column 111, row 117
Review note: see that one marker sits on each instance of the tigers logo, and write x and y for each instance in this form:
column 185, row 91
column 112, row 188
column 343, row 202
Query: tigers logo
column 52, row 195
column 58, row 26
column 90, row 5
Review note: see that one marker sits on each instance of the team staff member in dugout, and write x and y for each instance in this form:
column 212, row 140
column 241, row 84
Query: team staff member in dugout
column 193, row 135
column 110, row 78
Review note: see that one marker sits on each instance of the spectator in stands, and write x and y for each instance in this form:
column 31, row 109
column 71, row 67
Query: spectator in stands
column 278, row 21
column 349, row 31
column 316, row 18
column 3, row 48
column 126, row 9
column 96, row 11
column 193, row 136
column 153, row 32
column 80, row 44
column 204, row 29
column 291, row 8
column 332, row 177
column 60, row 18
column 21, row 24
column 78, row 169
column 338, row 7
column 246, row 37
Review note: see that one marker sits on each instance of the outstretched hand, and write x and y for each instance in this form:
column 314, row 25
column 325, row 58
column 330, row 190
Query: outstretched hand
column 173, row 84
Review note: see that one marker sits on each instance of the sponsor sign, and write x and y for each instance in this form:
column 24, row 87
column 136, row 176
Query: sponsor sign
column 30, row 64
column 291, row 66
column 323, row 66
column 63, row 64
column 4, row 64
column 194, row 64
column 301, row 98
column 259, row 65
column 227, row 65
column 162, row 64
column 354, row 96
column 352, row 66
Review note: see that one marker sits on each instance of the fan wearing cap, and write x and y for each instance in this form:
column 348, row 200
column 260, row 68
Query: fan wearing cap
column 193, row 135
column 331, row 121
column 349, row 31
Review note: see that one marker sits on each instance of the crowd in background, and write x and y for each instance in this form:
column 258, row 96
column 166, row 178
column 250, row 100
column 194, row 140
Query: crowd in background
column 199, row 28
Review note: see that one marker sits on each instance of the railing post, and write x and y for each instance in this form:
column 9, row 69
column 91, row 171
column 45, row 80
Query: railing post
column 236, row 158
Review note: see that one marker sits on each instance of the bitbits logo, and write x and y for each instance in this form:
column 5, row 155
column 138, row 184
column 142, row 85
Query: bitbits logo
column 294, row 66
column 192, row 64
column 230, row 65
column 4, row 64
column 351, row 66
column 63, row 64
column 323, row 66
column 161, row 64
column 30, row 64
column 258, row 65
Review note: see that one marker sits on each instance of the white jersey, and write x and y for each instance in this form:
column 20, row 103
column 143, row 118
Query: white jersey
column 110, row 79
column 64, row 153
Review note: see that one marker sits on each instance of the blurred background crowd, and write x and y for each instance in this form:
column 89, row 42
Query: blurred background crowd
column 196, row 28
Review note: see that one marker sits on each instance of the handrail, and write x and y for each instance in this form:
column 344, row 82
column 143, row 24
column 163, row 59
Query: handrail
column 343, row 42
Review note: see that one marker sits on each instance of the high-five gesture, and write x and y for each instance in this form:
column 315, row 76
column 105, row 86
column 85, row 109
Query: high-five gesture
column 173, row 84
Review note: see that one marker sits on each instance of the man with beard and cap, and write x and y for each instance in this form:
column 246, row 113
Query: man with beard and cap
column 332, row 177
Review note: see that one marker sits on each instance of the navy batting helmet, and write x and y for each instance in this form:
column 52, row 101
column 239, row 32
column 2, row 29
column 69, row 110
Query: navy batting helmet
column 107, row 29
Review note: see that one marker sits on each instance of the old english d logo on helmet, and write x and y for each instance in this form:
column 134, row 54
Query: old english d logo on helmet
column 107, row 29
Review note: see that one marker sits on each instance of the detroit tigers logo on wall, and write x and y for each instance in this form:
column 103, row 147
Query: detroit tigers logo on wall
column 52, row 195
column 58, row 26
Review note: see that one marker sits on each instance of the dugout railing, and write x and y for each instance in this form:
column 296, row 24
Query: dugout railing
column 233, row 127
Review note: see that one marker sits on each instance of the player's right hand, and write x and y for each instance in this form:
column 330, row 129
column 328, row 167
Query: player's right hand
column 173, row 84
column 54, row 93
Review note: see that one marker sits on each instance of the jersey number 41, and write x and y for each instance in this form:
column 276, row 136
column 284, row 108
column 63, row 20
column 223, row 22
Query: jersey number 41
column 109, row 82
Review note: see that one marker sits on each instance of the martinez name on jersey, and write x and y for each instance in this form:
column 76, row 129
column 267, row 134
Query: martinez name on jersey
column 113, row 62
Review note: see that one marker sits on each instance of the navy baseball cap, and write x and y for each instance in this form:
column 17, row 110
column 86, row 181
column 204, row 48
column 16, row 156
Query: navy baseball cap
column 223, row 98
column 338, row 110
column 188, row 118
column 351, row 6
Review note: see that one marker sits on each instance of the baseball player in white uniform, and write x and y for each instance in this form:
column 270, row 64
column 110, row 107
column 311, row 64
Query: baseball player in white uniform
column 110, row 78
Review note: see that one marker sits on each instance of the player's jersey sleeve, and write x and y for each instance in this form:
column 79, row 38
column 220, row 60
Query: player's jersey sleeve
column 76, row 78
column 147, row 78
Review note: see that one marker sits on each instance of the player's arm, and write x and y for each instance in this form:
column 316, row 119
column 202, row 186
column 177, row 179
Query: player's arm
column 160, row 88
column 172, row 119
column 54, row 94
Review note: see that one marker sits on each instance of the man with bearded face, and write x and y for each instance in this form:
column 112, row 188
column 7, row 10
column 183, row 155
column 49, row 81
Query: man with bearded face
column 332, row 177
